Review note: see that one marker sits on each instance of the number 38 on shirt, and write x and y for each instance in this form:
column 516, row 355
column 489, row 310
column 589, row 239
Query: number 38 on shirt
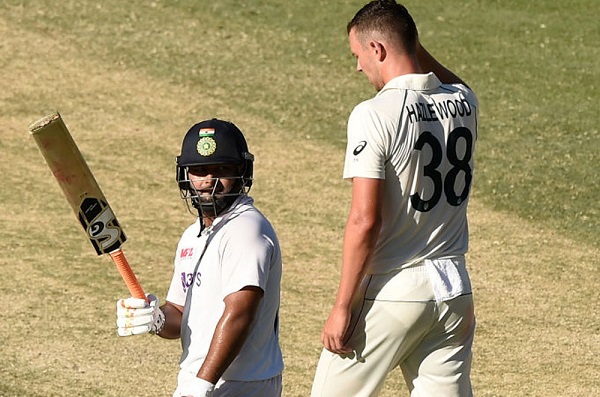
column 460, row 168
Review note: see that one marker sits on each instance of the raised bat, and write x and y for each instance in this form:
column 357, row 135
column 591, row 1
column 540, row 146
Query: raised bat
column 83, row 194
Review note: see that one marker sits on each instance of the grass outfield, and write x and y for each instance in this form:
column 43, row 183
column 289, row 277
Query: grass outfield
column 130, row 78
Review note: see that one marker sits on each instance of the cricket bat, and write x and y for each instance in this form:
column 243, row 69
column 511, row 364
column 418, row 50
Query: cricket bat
column 83, row 194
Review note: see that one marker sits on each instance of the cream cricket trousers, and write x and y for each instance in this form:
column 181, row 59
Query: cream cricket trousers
column 398, row 323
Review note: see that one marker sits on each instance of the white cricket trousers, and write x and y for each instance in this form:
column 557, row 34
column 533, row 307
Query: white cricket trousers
column 397, row 322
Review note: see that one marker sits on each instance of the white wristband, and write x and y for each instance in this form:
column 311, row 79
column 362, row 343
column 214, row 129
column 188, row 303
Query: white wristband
column 197, row 387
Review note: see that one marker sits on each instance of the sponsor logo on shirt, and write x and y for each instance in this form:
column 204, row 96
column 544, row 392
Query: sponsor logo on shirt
column 187, row 279
column 359, row 148
column 186, row 253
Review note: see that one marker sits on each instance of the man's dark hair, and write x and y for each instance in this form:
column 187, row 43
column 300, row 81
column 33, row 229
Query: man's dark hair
column 390, row 19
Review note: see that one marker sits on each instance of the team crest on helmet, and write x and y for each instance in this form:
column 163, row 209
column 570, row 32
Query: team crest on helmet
column 206, row 146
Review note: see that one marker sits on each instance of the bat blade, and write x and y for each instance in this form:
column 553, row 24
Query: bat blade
column 83, row 193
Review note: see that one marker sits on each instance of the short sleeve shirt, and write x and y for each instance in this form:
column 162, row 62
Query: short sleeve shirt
column 418, row 135
column 242, row 250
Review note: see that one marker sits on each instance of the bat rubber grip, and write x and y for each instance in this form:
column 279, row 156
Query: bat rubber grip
column 129, row 277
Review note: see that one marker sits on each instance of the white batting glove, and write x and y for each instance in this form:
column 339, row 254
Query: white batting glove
column 136, row 316
column 197, row 387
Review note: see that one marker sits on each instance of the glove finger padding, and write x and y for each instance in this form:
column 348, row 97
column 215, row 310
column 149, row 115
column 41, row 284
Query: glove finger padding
column 135, row 303
column 124, row 322
column 137, row 316
column 123, row 312
column 129, row 331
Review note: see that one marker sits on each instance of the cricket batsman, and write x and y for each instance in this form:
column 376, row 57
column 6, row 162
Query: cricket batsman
column 223, row 301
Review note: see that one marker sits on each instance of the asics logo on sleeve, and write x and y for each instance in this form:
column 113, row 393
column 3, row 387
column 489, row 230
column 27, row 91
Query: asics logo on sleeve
column 359, row 148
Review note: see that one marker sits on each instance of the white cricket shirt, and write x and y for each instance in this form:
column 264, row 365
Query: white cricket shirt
column 419, row 136
column 243, row 250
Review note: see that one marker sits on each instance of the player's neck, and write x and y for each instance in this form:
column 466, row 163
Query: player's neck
column 400, row 65
column 208, row 220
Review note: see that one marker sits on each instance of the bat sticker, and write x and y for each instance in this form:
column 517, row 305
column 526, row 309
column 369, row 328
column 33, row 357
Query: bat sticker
column 101, row 225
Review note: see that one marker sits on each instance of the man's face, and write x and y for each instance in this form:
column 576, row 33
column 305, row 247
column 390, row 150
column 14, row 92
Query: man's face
column 215, row 179
column 366, row 58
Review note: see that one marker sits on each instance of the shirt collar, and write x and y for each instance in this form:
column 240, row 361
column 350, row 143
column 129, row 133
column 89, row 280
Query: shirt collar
column 416, row 82
column 235, row 208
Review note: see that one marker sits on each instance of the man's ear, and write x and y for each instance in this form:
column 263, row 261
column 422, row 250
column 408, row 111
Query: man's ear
column 378, row 49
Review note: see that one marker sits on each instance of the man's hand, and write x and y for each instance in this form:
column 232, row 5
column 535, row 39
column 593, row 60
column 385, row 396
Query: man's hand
column 335, row 329
column 136, row 316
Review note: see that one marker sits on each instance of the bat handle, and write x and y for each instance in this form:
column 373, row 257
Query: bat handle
column 129, row 277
